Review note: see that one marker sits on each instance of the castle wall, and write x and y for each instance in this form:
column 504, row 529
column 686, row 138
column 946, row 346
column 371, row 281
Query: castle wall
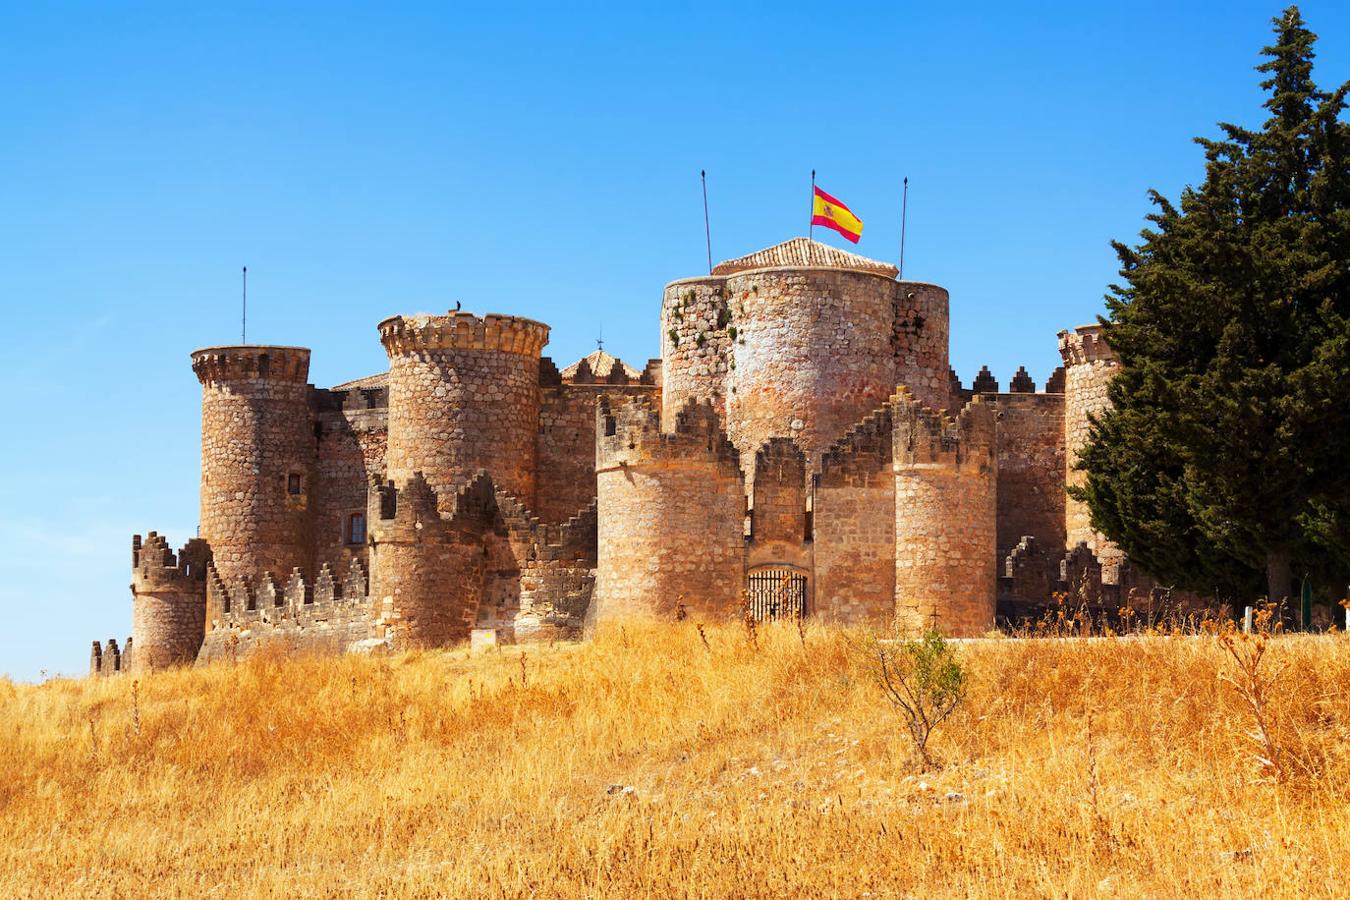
column 921, row 332
column 566, row 476
column 353, row 432
column 327, row 616
column 1030, row 469
column 1089, row 367
column 697, row 345
column 945, row 519
column 671, row 511
column 256, row 433
column 463, row 396
column 855, row 527
column 813, row 355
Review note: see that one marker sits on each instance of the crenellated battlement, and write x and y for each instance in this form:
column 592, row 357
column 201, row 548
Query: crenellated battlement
column 1021, row 383
column 924, row 437
column 155, row 566
column 861, row 454
column 463, row 331
column 630, row 434
column 251, row 363
column 1085, row 344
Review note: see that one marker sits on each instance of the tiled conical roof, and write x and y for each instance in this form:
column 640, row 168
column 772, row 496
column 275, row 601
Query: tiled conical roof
column 805, row 253
column 601, row 364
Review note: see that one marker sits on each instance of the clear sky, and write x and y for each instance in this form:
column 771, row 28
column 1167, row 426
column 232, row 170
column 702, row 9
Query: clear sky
column 366, row 160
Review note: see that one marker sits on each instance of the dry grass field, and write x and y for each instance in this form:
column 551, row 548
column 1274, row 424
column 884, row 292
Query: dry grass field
column 663, row 763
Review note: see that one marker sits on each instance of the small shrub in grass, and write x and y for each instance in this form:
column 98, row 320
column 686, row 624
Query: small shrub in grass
column 923, row 679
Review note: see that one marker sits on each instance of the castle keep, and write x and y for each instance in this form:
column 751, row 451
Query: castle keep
column 802, row 447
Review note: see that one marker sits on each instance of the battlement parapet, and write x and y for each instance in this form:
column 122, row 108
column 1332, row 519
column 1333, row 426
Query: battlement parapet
column 864, row 452
column 630, row 434
column 105, row 660
column 1055, row 383
column 534, row 541
column 1085, row 344
column 405, row 335
column 549, row 376
column 350, row 400
column 251, row 363
column 985, row 382
column 927, row 438
column 155, row 566
column 1021, row 382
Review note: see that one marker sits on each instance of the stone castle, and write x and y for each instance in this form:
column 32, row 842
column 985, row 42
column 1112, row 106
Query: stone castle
column 802, row 447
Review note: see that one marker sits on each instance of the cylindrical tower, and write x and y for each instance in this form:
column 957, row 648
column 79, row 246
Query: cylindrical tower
column 1089, row 366
column 168, row 607
column 813, row 354
column 921, row 336
column 696, row 345
column 946, row 563
column 671, row 511
column 463, row 396
column 257, row 457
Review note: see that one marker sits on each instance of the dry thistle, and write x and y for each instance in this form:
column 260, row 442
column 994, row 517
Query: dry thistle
column 524, row 675
column 748, row 620
column 136, row 707
column 703, row 636
column 1253, row 686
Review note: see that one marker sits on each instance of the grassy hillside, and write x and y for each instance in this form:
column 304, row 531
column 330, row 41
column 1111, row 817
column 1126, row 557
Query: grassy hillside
column 662, row 763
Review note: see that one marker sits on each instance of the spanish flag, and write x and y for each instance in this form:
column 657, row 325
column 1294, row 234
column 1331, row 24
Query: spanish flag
column 831, row 213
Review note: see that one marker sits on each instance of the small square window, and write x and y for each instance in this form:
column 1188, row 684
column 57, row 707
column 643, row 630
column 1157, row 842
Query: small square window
column 356, row 528
column 293, row 484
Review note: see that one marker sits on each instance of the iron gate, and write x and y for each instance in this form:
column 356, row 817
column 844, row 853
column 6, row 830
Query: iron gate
column 776, row 594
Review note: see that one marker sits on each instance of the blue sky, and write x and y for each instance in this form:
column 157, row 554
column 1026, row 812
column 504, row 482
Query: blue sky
column 367, row 160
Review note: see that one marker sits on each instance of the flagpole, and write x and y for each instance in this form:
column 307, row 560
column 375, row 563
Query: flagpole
column 707, row 231
column 811, row 222
column 904, row 216
column 243, row 318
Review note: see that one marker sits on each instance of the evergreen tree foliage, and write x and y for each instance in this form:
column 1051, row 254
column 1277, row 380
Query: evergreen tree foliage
column 1224, row 463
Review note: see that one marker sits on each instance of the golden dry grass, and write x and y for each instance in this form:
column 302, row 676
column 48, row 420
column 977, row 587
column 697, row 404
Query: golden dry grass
column 1075, row 768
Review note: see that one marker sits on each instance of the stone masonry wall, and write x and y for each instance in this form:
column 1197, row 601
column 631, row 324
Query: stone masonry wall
column 256, row 433
column 855, row 526
column 671, row 512
column 813, row 355
column 464, row 396
column 353, row 432
column 1089, row 367
column 1030, row 469
column 168, row 607
column 945, row 519
column 565, row 482
column 697, row 345
column 921, row 336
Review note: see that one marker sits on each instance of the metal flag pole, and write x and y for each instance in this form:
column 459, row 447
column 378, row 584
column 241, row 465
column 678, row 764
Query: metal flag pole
column 811, row 226
column 707, row 231
column 904, row 215
column 243, row 319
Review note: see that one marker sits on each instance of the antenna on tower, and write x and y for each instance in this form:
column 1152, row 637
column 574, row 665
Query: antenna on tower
column 243, row 318
column 600, row 341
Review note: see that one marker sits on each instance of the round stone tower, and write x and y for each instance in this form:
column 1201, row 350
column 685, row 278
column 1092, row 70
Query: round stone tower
column 671, row 511
column 802, row 341
column 168, row 608
column 258, row 450
column 1089, row 366
column 946, row 541
column 464, row 396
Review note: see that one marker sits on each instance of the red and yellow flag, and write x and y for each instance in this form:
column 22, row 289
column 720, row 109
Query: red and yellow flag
column 831, row 213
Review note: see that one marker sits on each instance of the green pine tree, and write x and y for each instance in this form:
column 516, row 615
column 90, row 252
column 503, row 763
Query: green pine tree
column 1224, row 464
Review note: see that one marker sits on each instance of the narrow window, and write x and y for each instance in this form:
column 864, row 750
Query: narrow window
column 356, row 528
column 293, row 484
